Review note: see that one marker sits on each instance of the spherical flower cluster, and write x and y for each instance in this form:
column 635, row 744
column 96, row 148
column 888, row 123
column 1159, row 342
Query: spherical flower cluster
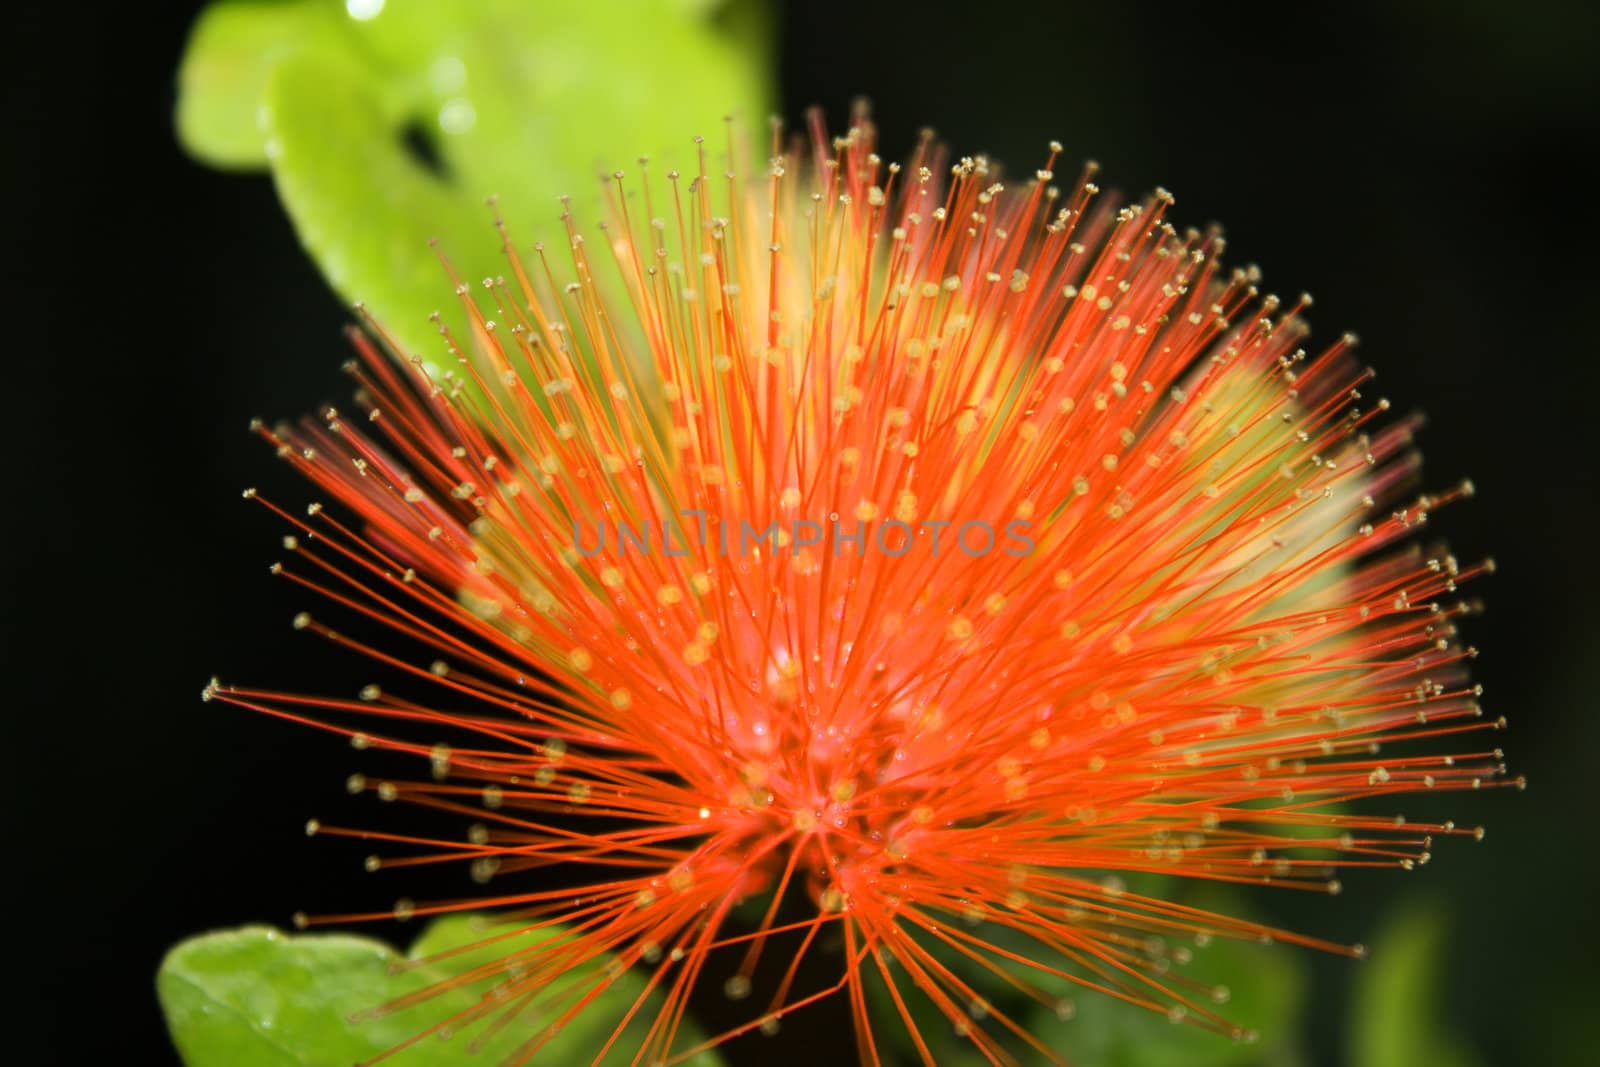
column 1209, row 661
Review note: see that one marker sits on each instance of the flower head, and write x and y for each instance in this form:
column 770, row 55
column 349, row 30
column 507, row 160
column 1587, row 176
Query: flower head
column 925, row 545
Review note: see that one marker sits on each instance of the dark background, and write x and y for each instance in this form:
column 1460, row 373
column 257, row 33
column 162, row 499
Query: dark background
column 1428, row 174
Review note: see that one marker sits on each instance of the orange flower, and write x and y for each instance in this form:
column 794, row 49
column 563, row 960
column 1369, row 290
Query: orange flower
column 930, row 544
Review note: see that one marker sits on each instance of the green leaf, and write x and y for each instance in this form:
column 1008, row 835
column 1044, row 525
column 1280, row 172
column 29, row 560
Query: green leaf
column 1396, row 1018
column 257, row 997
column 1266, row 993
column 528, row 101
column 232, row 51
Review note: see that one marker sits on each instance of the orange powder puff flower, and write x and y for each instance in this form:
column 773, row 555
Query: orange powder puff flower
column 919, row 545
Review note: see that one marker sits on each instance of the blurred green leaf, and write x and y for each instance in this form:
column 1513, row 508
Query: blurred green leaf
column 1266, row 999
column 1396, row 1019
column 388, row 122
column 1266, row 996
column 232, row 51
column 257, row 997
column 1266, row 993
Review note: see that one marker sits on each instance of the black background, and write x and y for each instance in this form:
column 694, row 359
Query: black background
column 1427, row 173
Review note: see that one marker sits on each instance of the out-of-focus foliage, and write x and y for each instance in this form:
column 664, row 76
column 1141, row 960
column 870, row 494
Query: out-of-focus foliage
column 1396, row 1019
column 1265, row 992
column 387, row 123
column 257, row 997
